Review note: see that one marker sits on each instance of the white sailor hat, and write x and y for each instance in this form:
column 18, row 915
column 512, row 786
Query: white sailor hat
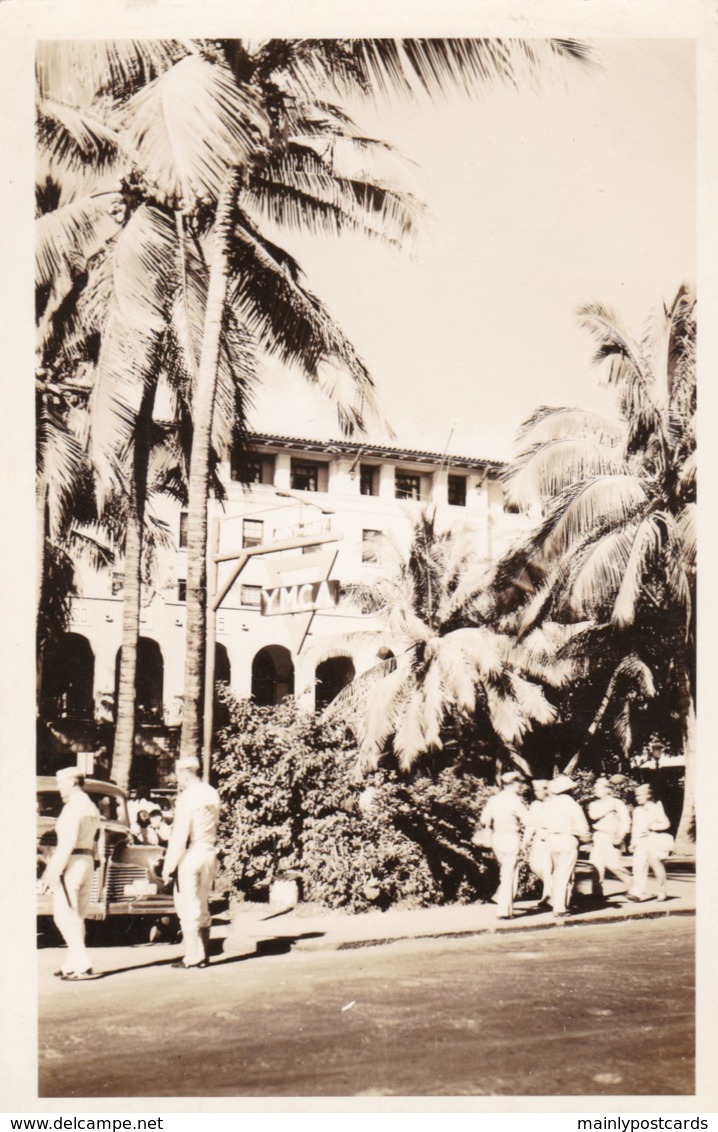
column 68, row 772
column 561, row 784
column 189, row 762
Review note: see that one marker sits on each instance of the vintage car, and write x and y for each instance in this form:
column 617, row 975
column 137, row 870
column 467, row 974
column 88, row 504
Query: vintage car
column 127, row 880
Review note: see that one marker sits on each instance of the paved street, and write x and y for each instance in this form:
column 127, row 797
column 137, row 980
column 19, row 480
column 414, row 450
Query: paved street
column 605, row 1009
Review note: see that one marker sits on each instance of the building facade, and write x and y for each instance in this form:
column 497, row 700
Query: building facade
column 284, row 626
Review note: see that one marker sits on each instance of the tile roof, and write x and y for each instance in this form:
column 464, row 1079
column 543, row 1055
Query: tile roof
column 364, row 448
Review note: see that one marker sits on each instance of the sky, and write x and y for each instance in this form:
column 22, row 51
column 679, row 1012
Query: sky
column 538, row 201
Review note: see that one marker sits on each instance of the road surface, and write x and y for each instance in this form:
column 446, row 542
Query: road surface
column 594, row 1010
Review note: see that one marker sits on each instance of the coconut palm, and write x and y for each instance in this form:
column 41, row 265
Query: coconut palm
column 289, row 75
column 450, row 669
column 219, row 135
column 617, row 545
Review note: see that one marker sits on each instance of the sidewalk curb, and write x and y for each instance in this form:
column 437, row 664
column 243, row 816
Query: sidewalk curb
column 335, row 940
column 495, row 930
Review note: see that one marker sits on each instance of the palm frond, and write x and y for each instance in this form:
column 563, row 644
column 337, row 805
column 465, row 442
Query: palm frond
column 190, row 126
column 75, row 138
column 77, row 71
column 61, row 468
column 383, row 706
column 291, row 322
column 605, row 501
column 550, row 422
column 598, row 569
column 66, row 238
column 647, row 541
column 544, row 470
column 408, row 66
column 145, row 270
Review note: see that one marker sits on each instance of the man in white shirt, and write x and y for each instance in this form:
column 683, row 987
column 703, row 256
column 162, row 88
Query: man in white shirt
column 651, row 843
column 566, row 825
column 506, row 815
column 536, row 837
column 611, row 823
column 191, row 857
column 70, row 870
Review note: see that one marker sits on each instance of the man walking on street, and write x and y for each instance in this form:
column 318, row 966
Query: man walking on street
column 70, row 871
column 506, row 814
column 611, row 823
column 191, row 858
column 566, row 825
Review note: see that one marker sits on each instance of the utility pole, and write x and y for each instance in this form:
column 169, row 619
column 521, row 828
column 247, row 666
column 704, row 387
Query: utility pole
column 215, row 597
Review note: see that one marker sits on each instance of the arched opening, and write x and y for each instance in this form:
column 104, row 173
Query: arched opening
column 67, row 679
column 149, row 682
column 222, row 667
column 222, row 675
column 331, row 677
column 272, row 675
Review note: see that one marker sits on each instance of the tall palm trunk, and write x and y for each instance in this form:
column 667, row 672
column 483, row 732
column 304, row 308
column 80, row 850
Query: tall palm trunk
column 198, row 490
column 127, row 684
column 126, row 706
column 631, row 665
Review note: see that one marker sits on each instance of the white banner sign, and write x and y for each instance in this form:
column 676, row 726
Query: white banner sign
column 304, row 598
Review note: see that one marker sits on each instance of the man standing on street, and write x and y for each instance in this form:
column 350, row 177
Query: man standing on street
column 611, row 824
column 566, row 825
column 506, row 814
column 191, row 858
column 536, row 837
column 70, row 870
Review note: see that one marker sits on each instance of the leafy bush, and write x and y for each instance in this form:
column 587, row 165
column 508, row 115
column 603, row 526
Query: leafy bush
column 293, row 803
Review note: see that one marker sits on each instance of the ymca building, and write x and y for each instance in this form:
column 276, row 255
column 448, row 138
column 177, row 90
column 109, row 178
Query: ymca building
column 284, row 626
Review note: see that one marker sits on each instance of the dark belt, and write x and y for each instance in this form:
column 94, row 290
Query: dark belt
column 82, row 853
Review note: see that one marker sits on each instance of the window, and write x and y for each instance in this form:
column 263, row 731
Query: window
column 369, row 547
column 252, row 532
column 182, row 589
column 252, row 469
column 250, row 595
column 118, row 582
column 305, row 477
column 183, row 530
column 407, row 487
column 457, row 491
column 368, row 477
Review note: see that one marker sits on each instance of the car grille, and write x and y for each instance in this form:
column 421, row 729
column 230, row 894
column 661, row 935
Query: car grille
column 94, row 892
column 121, row 875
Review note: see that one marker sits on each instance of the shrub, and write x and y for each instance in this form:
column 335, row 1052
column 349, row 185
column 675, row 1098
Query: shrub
column 293, row 802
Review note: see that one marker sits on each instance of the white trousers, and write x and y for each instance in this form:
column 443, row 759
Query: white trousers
column 605, row 856
column 650, row 853
column 506, row 849
column 564, row 854
column 191, row 899
column 70, row 902
column 540, row 864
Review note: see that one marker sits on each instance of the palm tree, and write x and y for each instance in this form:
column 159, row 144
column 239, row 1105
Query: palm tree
column 218, row 136
column 450, row 668
column 148, row 346
column 617, row 546
column 288, row 75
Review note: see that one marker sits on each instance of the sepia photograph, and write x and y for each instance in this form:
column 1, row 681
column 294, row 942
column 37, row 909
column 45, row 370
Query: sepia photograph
column 365, row 566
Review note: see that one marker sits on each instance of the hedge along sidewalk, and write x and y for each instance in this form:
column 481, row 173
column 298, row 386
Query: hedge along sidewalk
column 306, row 929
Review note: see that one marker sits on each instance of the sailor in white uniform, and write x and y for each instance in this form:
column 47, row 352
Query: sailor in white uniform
column 566, row 826
column 191, row 858
column 70, row 870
